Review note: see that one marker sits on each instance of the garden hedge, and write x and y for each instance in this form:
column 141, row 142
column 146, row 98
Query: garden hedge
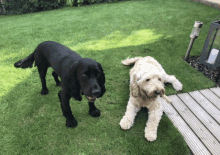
column 29, row 6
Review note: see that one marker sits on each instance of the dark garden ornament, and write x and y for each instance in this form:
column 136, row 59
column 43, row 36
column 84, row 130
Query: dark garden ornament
column 210, row 53
column 210, row 56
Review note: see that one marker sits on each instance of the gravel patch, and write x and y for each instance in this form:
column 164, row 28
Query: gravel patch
column 211, row 74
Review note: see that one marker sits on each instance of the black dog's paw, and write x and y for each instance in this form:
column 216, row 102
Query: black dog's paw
column 58, row 84
column 71, row 123
column 59, row 95
column 78, row 98
column 44, row 92
column 94, row 113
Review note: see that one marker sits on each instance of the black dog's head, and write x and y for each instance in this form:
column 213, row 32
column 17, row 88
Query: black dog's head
column 88, row 78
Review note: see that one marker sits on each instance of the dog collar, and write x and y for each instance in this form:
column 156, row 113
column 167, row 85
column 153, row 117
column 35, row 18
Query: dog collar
column 91, row 99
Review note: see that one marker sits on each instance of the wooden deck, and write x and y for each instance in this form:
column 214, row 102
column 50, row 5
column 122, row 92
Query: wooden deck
column 197, row 116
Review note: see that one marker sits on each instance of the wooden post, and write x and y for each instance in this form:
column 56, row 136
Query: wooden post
column 189, row 49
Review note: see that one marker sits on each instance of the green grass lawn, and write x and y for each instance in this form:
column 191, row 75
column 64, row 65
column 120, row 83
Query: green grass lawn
column 108, row 33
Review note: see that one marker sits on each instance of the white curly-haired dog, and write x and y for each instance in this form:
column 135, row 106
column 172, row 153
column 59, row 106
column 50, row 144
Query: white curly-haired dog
column 147, row 79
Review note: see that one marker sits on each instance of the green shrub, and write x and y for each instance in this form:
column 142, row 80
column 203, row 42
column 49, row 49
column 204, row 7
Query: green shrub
column 69, row 3
column 27, row 6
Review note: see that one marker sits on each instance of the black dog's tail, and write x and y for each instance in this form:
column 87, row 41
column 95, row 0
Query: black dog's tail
column 26, row 62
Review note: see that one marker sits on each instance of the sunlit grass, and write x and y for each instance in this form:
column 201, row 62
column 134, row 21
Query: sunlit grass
column 117, row 39
column 6, row 86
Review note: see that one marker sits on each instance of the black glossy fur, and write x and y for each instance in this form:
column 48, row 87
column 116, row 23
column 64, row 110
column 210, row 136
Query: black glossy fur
column 78, row 75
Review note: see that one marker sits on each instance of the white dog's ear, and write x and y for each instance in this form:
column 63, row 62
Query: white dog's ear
column 134, row 88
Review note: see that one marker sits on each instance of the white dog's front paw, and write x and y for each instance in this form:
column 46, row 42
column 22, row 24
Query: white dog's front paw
column 125, row 123
column 177, row 85
column 150, row 136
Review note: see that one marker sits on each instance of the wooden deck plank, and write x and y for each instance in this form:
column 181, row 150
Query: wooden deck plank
column 200, row 113
column 206, row 104
column 212, row 97
column 216, row 91
column 204, row 135
column 196, row 146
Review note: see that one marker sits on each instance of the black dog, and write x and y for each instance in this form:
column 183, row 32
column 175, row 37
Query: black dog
column 78, row 75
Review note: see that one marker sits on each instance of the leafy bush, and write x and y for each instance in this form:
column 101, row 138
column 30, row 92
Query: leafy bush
column 27, row 6
column 70, row 2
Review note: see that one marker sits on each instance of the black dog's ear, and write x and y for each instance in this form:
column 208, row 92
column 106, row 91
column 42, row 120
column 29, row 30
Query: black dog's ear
column 72, row 84
column 101, row 80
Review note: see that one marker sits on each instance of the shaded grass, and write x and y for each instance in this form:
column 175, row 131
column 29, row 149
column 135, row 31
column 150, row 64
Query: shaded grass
column 108, row 33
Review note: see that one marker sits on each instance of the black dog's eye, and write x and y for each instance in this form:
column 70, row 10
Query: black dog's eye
column 84, row 75
column 148, row 80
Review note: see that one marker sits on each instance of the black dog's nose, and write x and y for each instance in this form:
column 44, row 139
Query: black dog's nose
column 96, row 92
column 157, row 92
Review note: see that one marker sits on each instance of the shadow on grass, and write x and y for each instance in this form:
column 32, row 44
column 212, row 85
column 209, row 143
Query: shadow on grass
column 30, row 116
column 117, row 76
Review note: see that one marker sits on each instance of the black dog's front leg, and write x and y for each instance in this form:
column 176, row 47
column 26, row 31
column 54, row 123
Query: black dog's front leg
column 55, row 76
column 64, row 99
column 93, row 111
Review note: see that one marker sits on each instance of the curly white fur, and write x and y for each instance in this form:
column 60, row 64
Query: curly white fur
column 147, row 79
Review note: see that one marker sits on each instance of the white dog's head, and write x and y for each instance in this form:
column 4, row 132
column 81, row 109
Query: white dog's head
column 148, row 84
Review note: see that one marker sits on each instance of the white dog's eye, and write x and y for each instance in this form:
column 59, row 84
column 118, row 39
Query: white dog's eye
column 159, row 79
column 148, row 80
